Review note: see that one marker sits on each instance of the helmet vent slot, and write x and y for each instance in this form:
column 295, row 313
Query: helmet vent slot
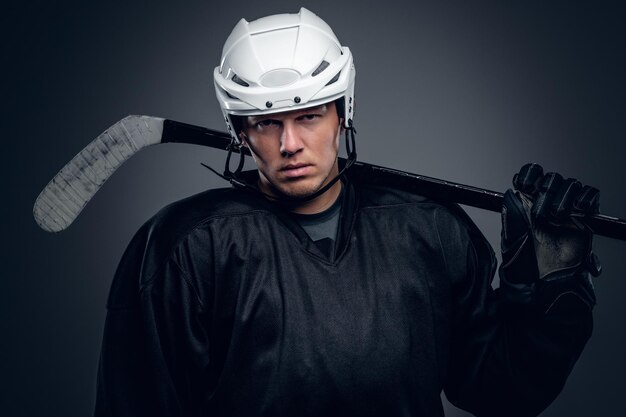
column 334, row 79
column 239, row 81
column 320, row 68
column 229, row 95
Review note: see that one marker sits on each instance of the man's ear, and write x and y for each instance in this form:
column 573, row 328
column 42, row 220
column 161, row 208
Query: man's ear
column 243, row 138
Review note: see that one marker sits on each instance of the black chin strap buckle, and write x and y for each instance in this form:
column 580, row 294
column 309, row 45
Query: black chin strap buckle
column 234, row 146
column 350, row 146
column 228, row 175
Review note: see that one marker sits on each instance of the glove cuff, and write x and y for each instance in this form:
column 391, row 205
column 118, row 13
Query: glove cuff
column 541, row 295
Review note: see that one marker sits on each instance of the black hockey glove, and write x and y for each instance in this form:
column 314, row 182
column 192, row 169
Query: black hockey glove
column 542, row 235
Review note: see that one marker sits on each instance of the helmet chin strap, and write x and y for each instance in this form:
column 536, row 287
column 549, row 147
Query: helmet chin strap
column 236, row 180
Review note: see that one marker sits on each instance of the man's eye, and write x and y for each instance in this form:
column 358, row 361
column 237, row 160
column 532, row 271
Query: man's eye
column 308, row 117
column 267, row 123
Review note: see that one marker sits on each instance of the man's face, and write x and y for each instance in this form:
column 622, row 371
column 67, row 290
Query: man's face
column 295, row 151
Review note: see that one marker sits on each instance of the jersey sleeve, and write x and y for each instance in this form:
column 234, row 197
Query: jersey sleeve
column 155, row 348
column 508, row 357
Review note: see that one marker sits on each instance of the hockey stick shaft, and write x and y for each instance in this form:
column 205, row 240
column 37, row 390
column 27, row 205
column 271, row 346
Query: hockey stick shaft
column 608, row 226
column 62, row 200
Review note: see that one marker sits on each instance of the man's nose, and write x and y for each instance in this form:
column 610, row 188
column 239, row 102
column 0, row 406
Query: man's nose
column 290, row 141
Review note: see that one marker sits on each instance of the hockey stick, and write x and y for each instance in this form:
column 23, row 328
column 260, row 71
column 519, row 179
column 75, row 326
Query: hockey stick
column 70, row 190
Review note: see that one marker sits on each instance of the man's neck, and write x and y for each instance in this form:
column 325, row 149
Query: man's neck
column 314, row 206
column 320, row 203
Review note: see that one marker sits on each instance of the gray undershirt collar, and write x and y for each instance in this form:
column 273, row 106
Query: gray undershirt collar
column 321, row 225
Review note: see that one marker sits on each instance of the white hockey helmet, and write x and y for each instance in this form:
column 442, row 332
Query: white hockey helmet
column 283, row 62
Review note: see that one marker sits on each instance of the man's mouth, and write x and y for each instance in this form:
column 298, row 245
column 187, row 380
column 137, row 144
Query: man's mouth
column 296, row 170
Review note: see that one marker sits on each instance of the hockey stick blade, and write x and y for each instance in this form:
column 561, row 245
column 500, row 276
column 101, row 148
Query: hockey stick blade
column 61, row 201
column 70, row 190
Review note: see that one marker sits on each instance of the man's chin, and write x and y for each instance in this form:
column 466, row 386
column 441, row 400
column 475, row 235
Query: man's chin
column 299, row 188
column 301, row 191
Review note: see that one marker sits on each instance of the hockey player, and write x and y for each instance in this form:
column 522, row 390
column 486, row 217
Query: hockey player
column 307, row 291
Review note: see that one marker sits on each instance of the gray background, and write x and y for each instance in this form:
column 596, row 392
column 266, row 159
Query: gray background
column 465, row 91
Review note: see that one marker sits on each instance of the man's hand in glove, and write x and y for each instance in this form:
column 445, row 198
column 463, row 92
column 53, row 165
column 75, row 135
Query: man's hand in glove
column 542, row 235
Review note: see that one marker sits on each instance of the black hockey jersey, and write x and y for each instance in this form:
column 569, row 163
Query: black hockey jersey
column 223, row 306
